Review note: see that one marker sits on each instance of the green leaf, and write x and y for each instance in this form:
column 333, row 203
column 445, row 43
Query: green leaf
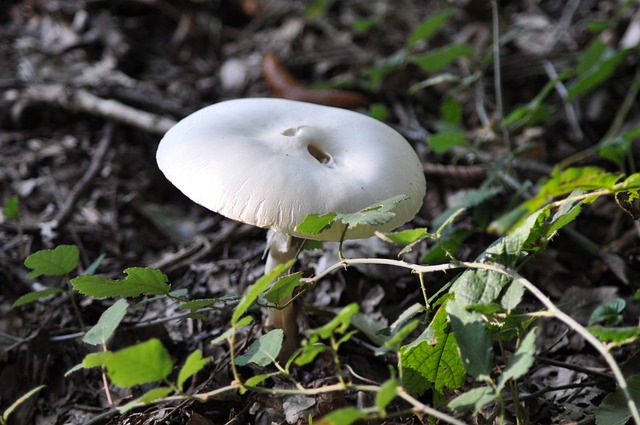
column 12, row 208
column 252, row 293
column 616, row 150
column 386, row 394
column 616, row 336
column 107, row 324
column 194, row 364
column 614, row 409
column 34, row 296
column 512, row 296
column 434, row 361
column 474, row 399
column 18, row 402
column 313, row 224
column 408, row 237
column 596, row 72
column 521, row 361
column 309, row 352
column 474, row 340
column 560, row 183
column 364, row 25
column 609, row 314
column 339, row 324
column 139, row 364
column 438, row 59
column 370, row 326
column 96, row 359
column 147, row 398
column 283, row 288
column 451, row 111
column 264, row 350
column 379, row 111
column 256, row 379
column 53, row 262
column 139, row 281
column 373, row 215
column 195, row 305
column 534, row 111
column 404, row 237
column 344, row 416
column 425, row 30
column 591, row 56
column 94, row 266
column 442, row 142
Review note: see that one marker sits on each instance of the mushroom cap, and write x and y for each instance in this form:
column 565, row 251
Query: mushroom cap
column 270, row 162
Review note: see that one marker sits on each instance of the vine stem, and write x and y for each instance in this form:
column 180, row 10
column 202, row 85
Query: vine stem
column 551, row 307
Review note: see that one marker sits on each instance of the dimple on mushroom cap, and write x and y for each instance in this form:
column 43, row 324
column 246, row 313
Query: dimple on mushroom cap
column 270, row 162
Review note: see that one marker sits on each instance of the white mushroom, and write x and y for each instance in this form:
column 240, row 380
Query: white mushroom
column 271, row 162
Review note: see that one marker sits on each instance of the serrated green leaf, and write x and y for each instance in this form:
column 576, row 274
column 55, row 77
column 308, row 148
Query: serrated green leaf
column 284, row 287
column 34, row 296
column 139, row 364
column 440, row 58
column 53, row 262
column 107, row 324
column 139, row 281
column 264, row 350
column 373, row 215
column 386, row 394
column 474, row 340
column 313, row 224
column 425, row 30
column 474, row 399
column 254, row 291
column 194, row 364
column 435, row 361
column 560, row 183
column 616, row 336
column 442, row 142
column 614, row 409
column 11, row 209
column 521, row 361
column 344, row 416
column 147, row 398
column 404, row 237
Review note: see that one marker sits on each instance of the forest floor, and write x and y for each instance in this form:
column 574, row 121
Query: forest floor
column 87, row 90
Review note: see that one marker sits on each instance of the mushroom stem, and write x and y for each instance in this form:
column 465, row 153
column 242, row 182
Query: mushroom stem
column 283, row 248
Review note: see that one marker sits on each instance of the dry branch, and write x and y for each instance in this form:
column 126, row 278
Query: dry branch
column 81, row 100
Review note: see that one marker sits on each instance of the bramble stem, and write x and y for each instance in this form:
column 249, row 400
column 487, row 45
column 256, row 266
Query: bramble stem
column 555, row 311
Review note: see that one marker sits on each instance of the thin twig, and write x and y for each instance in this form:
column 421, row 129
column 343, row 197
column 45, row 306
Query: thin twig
column 80, row 188
column 576, row 368
column 81, row 100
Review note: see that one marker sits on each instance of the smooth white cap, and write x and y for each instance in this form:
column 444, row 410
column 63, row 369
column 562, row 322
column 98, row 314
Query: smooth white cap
column 270, row 162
